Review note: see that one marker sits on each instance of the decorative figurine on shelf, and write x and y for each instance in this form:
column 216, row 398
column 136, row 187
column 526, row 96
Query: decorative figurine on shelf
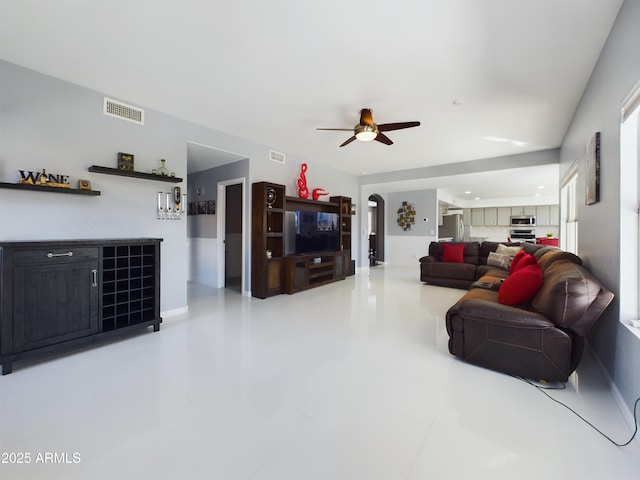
column 317, row 192
column 125, row 161
column 271, row 196
column 303, row 191
column 163, row 169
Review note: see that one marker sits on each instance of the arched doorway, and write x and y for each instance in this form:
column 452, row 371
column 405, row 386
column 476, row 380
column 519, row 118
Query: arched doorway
column 376, row 223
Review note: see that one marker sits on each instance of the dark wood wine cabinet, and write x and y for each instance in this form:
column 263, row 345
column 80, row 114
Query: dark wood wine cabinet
column 62, row 294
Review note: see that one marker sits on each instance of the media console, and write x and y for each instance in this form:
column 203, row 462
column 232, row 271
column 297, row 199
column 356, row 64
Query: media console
column 274, row 270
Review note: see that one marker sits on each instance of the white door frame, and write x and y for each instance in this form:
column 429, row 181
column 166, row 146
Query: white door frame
column 221, row 209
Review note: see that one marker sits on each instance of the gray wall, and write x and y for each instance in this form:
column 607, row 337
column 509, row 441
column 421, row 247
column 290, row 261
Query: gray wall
column 49, row 123
column 616, row 73
column 426, row 207
column 205, row 226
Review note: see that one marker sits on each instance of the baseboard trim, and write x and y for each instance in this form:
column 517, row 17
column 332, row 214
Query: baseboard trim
column 174, row 312
column 627, row 414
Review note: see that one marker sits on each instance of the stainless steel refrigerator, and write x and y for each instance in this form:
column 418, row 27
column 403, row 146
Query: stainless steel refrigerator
column 452, row 227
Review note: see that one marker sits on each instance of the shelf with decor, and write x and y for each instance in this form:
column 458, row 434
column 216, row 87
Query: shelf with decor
column 134, row 174
column 267, row 239
column 44, row 188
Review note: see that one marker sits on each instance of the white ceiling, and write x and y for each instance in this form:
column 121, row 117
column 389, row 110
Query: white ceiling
column 273, row 71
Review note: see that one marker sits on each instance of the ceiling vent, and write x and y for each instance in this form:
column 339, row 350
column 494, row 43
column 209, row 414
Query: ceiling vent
column 277, row 156
column 113, row 108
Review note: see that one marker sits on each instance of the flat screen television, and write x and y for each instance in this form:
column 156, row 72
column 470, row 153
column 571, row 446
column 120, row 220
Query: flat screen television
column 316, row 232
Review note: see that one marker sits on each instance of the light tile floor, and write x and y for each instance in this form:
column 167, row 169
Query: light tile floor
column 350, row 381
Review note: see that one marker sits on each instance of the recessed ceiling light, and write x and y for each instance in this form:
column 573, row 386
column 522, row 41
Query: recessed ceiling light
column 477, row 198
column 468, row 192
column 538, row 194
column 541, row 186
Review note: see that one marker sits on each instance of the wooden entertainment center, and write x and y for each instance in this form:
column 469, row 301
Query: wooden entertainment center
column 273, row 269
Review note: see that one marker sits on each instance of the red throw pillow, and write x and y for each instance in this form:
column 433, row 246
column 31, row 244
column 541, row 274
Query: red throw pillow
column 521, row 285
column 521, row 260
column 453, row 253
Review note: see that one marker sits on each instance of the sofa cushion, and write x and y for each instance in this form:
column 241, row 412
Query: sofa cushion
column 511, row 251
column 522, row 260
column 453, row 253
column 521, row 286
column 557, row 255
column 487, row 247
column 499, row 260
column 451, row 270
column 566, row 295
column 471, row 249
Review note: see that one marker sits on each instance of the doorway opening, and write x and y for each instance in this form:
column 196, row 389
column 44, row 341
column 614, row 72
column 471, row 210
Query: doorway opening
column 375, row 217
column 233, row 237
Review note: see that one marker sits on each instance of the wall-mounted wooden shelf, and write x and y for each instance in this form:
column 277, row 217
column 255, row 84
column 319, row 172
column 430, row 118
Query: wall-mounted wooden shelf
column 42, row 188
column 124, row 173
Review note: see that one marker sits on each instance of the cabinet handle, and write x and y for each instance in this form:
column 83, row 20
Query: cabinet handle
column 51, row 255
column 94, row 278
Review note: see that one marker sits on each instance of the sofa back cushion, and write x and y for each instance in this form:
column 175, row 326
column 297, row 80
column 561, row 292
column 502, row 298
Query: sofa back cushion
column 469, row 254
column 571, row 297
column 453, row 253
column 487, row 247
column 557, row 255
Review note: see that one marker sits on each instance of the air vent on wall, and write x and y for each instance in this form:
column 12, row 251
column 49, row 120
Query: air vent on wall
column 113, row 108
column 276, row 156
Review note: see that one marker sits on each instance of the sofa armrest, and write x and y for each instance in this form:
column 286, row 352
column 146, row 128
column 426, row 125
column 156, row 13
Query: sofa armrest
column 427, row 258
column 497, row 314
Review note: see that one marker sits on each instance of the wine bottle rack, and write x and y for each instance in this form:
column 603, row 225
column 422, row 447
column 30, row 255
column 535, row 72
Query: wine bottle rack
column 128, row 285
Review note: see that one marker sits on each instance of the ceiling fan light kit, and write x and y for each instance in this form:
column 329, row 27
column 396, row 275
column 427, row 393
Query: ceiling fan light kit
column 367, row 130
column 365, row 133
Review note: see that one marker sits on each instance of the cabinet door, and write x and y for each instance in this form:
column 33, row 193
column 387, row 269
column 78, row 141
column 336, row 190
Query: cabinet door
column 54, row 303
column 542, row 215
column 274, row 276
column 477, row 216
column 554, row 214
column 491, row 216
column 504, row 216
column 466, row 216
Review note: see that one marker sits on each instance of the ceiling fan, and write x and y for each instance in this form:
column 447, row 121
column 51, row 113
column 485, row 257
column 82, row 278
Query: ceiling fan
column 366, row 130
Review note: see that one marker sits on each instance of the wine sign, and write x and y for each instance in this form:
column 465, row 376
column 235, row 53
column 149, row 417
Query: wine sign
column 44, row 178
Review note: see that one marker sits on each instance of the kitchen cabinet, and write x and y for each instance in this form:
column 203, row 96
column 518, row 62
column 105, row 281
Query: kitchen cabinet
column 491, row 217
column 547, row 215
column 525, row 210
column 466, row 216
column 477, row 216
column 504, row 216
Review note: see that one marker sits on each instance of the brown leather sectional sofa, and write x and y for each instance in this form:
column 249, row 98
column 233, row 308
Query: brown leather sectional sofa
column 540, row 339
column 457, row 275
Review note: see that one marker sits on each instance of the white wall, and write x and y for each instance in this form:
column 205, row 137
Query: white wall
column 600, row 244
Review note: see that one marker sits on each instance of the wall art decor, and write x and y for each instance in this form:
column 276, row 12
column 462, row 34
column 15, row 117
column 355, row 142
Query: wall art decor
column 125, row 162
column 202, row 207
column 593, row 169
column 44, row 178
column 406, row 216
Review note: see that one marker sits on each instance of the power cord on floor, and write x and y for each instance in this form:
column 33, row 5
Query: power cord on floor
column 542, row 390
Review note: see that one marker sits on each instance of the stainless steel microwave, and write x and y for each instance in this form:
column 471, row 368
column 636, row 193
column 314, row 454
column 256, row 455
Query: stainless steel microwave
column 523, row 220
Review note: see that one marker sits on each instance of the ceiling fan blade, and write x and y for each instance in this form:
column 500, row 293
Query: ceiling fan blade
column 383, row 139
column 387, row 127
column 337, row 129
column 347, row 142
column 366, row 118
